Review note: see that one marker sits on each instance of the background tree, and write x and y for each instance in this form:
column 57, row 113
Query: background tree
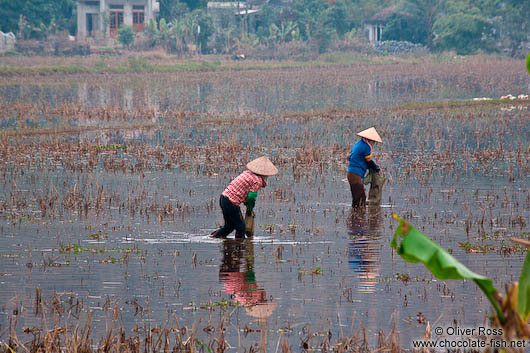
column 185, row 30
column 151, row 31
column 309, row 16
column 323, row 37
column 425, row 13
column 514, row 24
column 206, row 28
column 172, row 9
column 180, row 33
column 269, row 14
column 39, row 14
column 196, row 4
column 286, row 32
column 465, row 33
column 164, row 34
column 403, row 26
column 340, row 17
column 126, row 36
column 362, row 10
column 462, row 25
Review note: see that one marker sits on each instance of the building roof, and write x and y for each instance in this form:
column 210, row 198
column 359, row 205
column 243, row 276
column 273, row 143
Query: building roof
column 226, row 5
column 247, row 12
column 382, row 16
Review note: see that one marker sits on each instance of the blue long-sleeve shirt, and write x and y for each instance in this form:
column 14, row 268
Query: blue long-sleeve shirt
column 361, row 159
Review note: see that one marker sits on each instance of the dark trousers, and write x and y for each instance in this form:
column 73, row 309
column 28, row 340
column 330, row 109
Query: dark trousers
column 233, row 219
column 357, row 190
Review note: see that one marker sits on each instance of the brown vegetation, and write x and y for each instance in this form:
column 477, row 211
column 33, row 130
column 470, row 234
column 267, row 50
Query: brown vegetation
column 64, row 324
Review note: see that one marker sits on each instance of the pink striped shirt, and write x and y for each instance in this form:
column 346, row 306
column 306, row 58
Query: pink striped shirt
column 239, row 188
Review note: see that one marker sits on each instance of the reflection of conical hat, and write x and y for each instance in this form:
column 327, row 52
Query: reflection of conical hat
column 262, row 166
column 262, row 310
column 370, row 134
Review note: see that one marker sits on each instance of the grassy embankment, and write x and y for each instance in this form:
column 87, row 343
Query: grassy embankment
column 12, row 66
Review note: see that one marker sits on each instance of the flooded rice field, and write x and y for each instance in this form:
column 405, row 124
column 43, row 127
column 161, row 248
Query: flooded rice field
column 280, row 89
column 106, row 205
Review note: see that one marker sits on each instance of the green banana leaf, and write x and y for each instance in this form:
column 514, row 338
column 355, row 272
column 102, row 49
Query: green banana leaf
column 416, row 247
column 523, row 297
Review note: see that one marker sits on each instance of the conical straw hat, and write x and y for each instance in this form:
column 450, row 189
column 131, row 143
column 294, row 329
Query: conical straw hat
column 262, row 166
column 370, row 134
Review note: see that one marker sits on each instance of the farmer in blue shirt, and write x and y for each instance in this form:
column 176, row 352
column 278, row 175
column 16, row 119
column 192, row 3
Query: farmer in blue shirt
column 360, row 160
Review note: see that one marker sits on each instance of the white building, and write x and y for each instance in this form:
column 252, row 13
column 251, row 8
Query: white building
column 102, row 17
column 376, row 24
column 7, row 41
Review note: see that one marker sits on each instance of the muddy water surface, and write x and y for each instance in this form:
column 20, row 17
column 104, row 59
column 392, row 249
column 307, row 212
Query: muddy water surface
column 121, row 216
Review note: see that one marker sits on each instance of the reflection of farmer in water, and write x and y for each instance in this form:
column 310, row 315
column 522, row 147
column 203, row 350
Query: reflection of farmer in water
column 359, row 161
column 243, row 189
column 365, row 249
column 241, row 283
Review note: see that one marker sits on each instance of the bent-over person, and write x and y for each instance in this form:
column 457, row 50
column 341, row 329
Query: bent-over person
column 360, row 161
column 243, row 189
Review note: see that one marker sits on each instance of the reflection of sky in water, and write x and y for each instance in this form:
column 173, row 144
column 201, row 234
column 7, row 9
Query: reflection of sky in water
column 364, row 261
column 238, row 95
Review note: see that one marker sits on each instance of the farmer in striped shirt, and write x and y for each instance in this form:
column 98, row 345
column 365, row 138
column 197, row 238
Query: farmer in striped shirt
column 243, row 189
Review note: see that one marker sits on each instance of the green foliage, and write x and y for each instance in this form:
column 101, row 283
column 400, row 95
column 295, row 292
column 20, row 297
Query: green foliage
column 225, row 40
column 194, row 28
column 426, row 12
column 310, row 16
column 24, row 28
column 317, row 271
column 38, row 14
column 465, row 26
column 135, row 64
column 523, row 296
column 9, row 53
column 265, row 18
column 100, row 66
column 403, row 26
column 196, row 4
column 164, row 33
column 206, row 27
column 151, row 31
column 415, row 247
column 513, row 317
column 513, row 21
column 365, row 9
column 286, row 32
column 323, row 38
column 126, row 35
column 340, row 17
column 250, row 39
column 172, row 9
column 27, row 31
column 465, row 33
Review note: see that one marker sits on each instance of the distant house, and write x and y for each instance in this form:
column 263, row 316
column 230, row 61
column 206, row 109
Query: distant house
column 226, row 14
column 376, row 24
column 101, row 17
column 7, row 41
